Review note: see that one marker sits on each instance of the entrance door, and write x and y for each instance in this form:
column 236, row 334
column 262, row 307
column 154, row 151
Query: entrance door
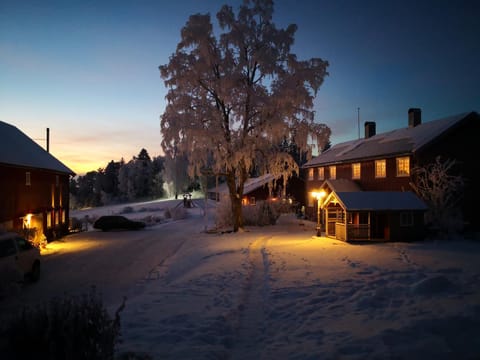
column 379, row 226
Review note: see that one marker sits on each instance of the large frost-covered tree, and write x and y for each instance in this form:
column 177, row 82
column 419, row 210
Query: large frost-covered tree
column 234, row 96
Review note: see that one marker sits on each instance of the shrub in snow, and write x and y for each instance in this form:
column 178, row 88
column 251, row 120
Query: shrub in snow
column 127, row 210
column 68, row 328
column 261, row 214
column 224, row 213
column 76, row 225
column 176, row 213
column 179, row 213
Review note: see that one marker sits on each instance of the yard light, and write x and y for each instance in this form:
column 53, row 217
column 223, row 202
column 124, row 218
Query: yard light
column 319, row 196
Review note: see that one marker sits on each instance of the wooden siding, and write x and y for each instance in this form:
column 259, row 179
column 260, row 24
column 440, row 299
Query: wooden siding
column 43, row 196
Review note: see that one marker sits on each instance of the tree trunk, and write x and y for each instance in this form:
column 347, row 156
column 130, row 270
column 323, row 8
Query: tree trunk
column 237, row 213
column 236, row 202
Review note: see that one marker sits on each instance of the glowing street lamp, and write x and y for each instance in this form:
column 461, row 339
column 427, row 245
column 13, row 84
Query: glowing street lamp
column 319, row 196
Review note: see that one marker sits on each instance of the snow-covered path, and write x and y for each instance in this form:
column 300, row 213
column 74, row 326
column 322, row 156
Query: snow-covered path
column 250, row 336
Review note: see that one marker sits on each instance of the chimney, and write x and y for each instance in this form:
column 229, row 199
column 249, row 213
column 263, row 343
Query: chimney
column 369, row 129
column 414, row 117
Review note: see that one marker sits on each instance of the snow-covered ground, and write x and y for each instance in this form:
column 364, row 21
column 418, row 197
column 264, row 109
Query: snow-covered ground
column 279, row 292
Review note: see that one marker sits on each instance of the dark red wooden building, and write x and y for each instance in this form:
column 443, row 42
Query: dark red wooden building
column 34, row 187
column 383, row 163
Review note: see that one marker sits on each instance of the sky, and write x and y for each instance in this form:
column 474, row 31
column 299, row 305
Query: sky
column 270, row 292
column 88, row 70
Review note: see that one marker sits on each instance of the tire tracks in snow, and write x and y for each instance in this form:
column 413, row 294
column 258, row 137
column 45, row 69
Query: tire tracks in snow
column 251, row 330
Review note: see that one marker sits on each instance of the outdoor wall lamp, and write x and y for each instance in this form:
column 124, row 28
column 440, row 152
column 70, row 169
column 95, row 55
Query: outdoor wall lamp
column 319, row 196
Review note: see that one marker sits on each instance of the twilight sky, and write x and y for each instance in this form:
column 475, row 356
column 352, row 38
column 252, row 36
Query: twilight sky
column 88, row 70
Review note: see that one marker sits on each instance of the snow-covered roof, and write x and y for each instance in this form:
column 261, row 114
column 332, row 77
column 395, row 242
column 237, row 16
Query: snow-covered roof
column 380, row 200
column 400, row 141
column 250, row 185
column 17, row 149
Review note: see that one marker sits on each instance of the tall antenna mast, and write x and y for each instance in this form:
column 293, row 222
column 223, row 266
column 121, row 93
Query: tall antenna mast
column 358, row 121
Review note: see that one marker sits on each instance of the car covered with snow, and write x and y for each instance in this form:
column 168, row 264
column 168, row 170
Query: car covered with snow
column 18, row 258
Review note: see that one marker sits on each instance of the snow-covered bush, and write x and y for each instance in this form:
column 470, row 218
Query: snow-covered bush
column 261, row 214
column 65, row 328
column 127, row 210
column 176, row 213
column 224, row 213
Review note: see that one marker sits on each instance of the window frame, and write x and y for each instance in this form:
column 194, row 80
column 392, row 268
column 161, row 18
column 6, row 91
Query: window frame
column 356, row 174
column 310, row 174
column 321, row 173
column 403, row 166
column 382, row 166
column 333, row 172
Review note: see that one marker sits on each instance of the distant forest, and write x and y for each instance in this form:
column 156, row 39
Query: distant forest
column 141, row 178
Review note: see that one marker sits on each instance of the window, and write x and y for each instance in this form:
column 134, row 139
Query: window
column 310, row 174
column 403, row 166
column 252, row 200
column 380, row 168
column 321, row 173
column 27, row 179
column 406, row 219
column 356, row 171
column 57, row 180
column 333, row 172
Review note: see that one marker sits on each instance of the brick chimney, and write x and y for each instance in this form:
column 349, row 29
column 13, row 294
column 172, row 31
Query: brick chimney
column 414, row 117
column 369, row 129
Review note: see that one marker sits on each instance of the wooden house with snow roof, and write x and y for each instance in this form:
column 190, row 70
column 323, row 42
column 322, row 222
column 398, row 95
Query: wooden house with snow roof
column 34, row 186
column 366, row 183
column 261, row 188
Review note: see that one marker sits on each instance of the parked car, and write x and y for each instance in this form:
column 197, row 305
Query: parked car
column 18, row 256
column 117, row 222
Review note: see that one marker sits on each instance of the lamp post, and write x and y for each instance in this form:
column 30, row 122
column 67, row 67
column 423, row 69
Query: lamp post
column 319, row 196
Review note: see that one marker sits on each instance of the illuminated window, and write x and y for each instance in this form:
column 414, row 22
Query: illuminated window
column 49, row 220
column 53, row 196
column 406, row 219
column 403, row 166
column 63, row 216
column 356, row 171
column 310, row 174
column 380, row 168
column 333, row 172
column 57, row 217
column 27, row 179
column 321, row 173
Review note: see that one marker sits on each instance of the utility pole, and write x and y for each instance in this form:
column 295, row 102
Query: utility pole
column 358, row 122
column 48, row 139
